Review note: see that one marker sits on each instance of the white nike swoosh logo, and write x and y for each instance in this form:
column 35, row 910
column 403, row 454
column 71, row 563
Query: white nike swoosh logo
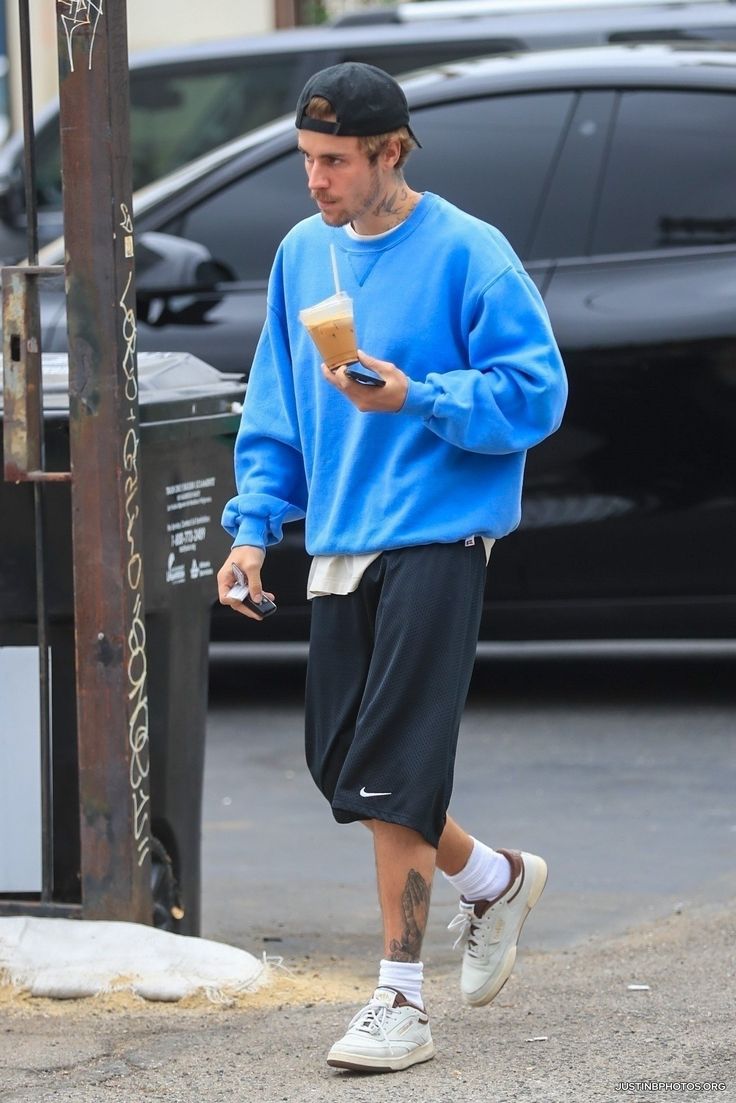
column 363, row 793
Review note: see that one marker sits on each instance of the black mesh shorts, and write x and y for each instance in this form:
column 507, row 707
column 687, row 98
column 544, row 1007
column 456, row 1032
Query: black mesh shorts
column 388, row 675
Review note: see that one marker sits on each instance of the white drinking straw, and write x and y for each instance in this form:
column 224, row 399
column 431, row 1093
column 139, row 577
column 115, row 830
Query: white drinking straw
column 334, row 269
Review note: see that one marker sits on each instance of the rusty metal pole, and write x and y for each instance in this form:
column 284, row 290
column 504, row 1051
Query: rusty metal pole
column 286, row 13
column 112, row 702
column 291, row 13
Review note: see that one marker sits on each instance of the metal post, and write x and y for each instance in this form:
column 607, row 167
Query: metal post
column 33, row 367
column 293, row 13
column 112, row 703
column 286, row 13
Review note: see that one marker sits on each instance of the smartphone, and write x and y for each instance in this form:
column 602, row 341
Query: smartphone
column 239, row 591
column 364, row 375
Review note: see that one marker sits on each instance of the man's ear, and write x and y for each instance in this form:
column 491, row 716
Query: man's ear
column 391, row 153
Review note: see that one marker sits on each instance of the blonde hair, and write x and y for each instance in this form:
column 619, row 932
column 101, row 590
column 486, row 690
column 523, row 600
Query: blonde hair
column 371, row 145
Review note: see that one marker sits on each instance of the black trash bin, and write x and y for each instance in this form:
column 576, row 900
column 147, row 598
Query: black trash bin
column 189, row 414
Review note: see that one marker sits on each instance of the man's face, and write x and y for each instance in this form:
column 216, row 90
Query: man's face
column 345, row 185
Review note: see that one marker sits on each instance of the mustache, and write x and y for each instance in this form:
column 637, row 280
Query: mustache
column 322, row 197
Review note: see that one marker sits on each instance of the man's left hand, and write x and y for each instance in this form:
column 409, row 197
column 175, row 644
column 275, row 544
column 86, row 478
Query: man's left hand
column 387, row 400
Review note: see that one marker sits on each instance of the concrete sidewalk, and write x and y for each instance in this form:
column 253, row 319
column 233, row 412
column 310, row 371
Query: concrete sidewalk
column 567, row 1026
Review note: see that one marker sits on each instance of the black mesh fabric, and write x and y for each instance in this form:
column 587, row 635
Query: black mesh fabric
column 388, row 675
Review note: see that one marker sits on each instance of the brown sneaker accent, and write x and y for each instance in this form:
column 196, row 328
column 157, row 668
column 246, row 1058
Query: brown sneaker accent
column 480, row 907
column 517, row 870
column 400, row 1000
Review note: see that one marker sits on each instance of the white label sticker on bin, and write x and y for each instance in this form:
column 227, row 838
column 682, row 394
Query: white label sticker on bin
column 187, row 508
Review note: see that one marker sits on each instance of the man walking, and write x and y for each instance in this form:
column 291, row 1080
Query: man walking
column 404, row 488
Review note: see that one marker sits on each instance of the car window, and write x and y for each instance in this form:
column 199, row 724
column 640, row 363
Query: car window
column 243, row 223
column 565, row 223
column 493, row 157
column 670, row 176
column 179, row 114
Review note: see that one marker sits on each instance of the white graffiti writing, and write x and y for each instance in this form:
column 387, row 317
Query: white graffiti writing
column 137, row 667
column 138, row 730
column 127, row 222
column 127, row 228
column 132, row 509
column 137, row 670
column 130, row 333
column 76, row 15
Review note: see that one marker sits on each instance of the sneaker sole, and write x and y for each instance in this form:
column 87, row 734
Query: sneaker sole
column 490, row 990
column 343, row 1060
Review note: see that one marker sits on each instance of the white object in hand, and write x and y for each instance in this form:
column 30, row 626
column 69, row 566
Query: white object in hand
column 240, row 590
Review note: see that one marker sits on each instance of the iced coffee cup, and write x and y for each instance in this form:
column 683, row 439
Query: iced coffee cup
column 330, row 325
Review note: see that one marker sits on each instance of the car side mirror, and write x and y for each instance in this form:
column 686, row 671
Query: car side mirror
column 168, row 265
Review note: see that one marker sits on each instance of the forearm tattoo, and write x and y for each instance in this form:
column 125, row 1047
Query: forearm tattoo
column 415, row 905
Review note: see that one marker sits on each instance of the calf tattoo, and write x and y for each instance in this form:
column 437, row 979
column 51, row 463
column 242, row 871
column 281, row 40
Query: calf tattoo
column 415, row 905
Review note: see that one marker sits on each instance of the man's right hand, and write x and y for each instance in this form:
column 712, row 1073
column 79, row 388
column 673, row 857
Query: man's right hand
column 250, row 560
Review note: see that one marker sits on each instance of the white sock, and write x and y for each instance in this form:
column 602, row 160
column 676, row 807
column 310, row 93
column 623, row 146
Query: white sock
column 405, row 976
column 484, row 876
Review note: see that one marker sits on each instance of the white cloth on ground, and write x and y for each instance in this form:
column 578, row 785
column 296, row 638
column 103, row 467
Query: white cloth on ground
column 70, row 958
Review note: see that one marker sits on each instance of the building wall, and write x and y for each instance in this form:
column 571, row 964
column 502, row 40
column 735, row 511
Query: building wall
column 150, row 23
column 163, row 22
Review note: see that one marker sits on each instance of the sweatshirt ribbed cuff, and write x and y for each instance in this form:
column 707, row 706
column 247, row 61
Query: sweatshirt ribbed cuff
column 419, row 399
column 252, row 531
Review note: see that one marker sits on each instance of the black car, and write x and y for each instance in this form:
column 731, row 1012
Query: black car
column 613, row 173
column 186, row 100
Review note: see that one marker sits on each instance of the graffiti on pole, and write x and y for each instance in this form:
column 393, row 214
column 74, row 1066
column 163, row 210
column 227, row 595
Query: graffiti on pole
column 137, row 666
column 127, row 228
column 75, row 16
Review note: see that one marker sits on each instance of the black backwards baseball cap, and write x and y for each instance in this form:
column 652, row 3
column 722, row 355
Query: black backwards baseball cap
column 366, row 101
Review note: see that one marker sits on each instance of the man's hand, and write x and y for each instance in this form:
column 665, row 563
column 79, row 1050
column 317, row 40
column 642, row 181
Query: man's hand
column 250, row 561
column 387, row 400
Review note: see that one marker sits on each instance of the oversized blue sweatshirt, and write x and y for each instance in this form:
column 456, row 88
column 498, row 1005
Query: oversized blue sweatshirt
column 445, row 299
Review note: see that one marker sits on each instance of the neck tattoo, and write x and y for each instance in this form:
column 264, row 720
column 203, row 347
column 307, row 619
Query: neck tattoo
column 396, row 206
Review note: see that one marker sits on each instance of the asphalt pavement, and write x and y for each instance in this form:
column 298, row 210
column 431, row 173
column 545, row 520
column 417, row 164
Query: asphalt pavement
column 622, row 774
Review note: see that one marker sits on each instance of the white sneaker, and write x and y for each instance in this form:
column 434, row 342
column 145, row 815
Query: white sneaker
column 388, row 1034
column 490, row 929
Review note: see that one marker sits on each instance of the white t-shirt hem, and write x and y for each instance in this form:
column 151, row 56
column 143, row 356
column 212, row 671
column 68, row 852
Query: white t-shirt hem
column 341, row 574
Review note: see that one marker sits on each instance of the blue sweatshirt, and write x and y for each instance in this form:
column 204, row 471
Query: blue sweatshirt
column 445, row 299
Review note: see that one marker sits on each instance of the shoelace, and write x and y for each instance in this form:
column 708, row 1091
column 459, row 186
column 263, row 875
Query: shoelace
column 464, row 922
column 372, row 1019
column 475, row 933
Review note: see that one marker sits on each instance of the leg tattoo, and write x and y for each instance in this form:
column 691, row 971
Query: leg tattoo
column 415, row 905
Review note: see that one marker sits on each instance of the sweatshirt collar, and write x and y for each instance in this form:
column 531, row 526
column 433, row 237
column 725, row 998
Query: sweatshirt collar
column 376, row 243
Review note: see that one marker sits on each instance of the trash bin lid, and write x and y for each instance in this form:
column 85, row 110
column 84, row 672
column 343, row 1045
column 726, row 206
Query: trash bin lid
column 172, row 386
